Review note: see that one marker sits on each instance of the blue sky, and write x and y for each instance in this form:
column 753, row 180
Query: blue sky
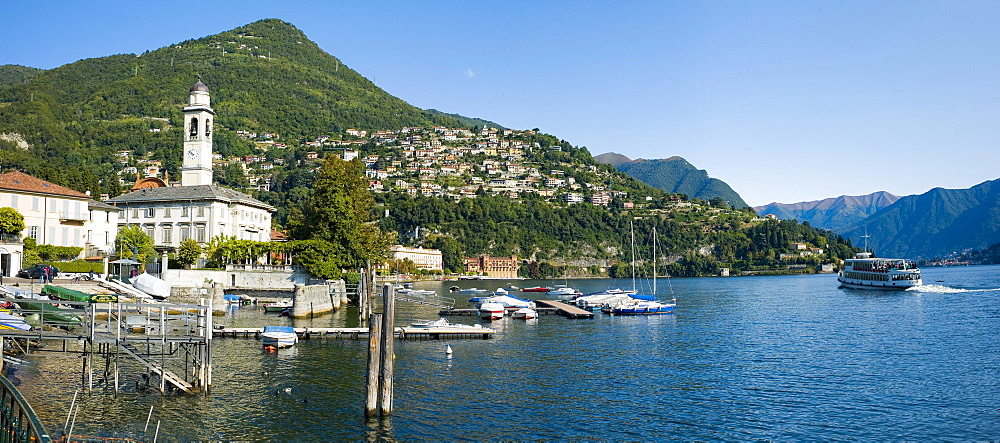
column 785, row 101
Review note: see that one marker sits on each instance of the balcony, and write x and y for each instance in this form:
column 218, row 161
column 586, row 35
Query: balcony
column 73, row 216
column 11, row 239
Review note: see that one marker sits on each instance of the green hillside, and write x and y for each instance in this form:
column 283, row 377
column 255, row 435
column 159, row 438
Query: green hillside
column 11, row 75
column 265, row 77
column 675, row 175
column 938, row 223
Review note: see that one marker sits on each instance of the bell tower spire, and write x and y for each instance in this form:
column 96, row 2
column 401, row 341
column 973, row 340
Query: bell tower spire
column 198, row 116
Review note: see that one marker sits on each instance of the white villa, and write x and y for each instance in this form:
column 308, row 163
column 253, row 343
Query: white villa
column 54, row 215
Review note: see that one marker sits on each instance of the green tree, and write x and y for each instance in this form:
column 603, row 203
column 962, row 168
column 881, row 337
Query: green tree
column 188, row 252
column 11, row 222
column 340, row 214
column 132, row 239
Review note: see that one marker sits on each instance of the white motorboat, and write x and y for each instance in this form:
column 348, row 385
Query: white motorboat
column 443, row 323
column 472, row 291
column 278, row 306
column 525, row 313
column 279, row 336
column 509, row 301
column 563, row 292
column 492, row 310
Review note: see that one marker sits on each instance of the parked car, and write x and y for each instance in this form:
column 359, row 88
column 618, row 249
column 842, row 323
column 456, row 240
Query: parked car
column 36, row 271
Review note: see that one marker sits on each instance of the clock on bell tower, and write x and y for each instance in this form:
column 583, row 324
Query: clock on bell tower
column 198, row 115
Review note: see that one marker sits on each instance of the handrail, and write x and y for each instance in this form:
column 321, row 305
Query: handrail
column 18, row 422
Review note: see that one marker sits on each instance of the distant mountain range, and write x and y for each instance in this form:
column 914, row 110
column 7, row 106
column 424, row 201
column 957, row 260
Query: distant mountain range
column 937, row 223
column 674, row 175
column 836, row 214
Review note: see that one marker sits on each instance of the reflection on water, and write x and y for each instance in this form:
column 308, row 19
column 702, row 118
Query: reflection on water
column 777, row 358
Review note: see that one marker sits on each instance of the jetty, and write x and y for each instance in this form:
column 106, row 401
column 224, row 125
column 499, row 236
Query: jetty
column 545, row 307
column 361, row 333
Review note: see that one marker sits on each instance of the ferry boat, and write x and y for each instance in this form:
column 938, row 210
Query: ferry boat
column 886, row 274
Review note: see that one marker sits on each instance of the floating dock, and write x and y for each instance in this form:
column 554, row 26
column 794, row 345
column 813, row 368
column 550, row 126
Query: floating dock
column 359, row 333
column 545, row 307
column 565, row 310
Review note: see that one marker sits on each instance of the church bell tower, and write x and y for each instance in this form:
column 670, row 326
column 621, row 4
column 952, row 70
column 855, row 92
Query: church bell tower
column 198, row 115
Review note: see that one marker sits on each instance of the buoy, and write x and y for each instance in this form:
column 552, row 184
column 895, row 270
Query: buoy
column 447, row 349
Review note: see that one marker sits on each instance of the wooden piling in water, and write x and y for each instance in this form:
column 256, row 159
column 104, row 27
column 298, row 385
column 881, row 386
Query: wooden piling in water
column 374, row 358
column 388, row 330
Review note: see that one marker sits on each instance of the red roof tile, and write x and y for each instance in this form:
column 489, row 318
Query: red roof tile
column 19, row 181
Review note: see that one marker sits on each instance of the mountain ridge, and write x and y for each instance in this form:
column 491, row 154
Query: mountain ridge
column 835, row 213
column 676, row 175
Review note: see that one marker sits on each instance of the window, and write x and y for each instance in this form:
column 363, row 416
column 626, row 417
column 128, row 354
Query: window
column 13, row 201
column 185, row 232
column 135, row 213
column 150, row 212
column 168, row 234
column 194, row 127
column 33, row 232
column 166, row 212
column 208, row 127
column 201, row 211
column 184, row 211
column 34, row 203
column 200, row 233
column 149, row 231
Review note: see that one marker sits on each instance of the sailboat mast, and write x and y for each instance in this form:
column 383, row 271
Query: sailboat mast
column 631, row 229
column 654, row 260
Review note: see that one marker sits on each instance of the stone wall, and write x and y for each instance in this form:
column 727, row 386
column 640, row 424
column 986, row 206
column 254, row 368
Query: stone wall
column 317, row 299
column 190, row 282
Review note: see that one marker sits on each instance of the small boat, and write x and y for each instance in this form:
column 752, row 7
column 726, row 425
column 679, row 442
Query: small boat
column 525, row 313
column 512, row 288
column 537, row 289
column 509, row 301
column 408, row 285
column 278, row 306
column 472, row 291
column 492, row 310
column 563, row 292
column 443, row 323
column 50, row 314
column 279, row 336
column 498, row 293
column 639, row 307
column 151, row 285
column 454, row 288
column 886, row 274
column 439, row 323
column 11, row 321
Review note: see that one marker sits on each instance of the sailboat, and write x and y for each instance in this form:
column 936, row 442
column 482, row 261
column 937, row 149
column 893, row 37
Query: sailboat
column 638, row 304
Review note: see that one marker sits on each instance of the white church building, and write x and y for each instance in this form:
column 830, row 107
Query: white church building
column 197, row 208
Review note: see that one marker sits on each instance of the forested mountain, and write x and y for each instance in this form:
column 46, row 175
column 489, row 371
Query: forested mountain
column 937, row 223
column 836, row 214
column 266, row 77
column 15, row 75
column 467, row 122
column 675, row 175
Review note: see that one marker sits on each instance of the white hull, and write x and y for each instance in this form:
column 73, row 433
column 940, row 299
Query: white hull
column 151, row 285
column 279, row 339
column 525, row 314
column 492, row 310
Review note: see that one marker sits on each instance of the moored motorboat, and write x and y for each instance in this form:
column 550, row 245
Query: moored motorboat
column 525, row 313
column 279, row 336
column 509, row 301
column 563, row 292
column 279, row 305
column 885, row 274
column 443, row 323
column 537, row 289
column 492, row 310
column 639, row 307
column 472, row 291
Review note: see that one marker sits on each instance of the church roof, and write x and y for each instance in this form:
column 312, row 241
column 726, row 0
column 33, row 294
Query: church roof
column 199, row 87
column 188, row 193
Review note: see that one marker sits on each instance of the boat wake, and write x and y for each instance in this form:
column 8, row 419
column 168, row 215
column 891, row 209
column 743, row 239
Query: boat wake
column 941, row 289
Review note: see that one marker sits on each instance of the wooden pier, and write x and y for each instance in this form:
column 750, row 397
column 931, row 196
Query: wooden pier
column 545, row 307
column 565, row 310
column 361, row 333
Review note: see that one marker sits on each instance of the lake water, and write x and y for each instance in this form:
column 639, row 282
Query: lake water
column 776, row 358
